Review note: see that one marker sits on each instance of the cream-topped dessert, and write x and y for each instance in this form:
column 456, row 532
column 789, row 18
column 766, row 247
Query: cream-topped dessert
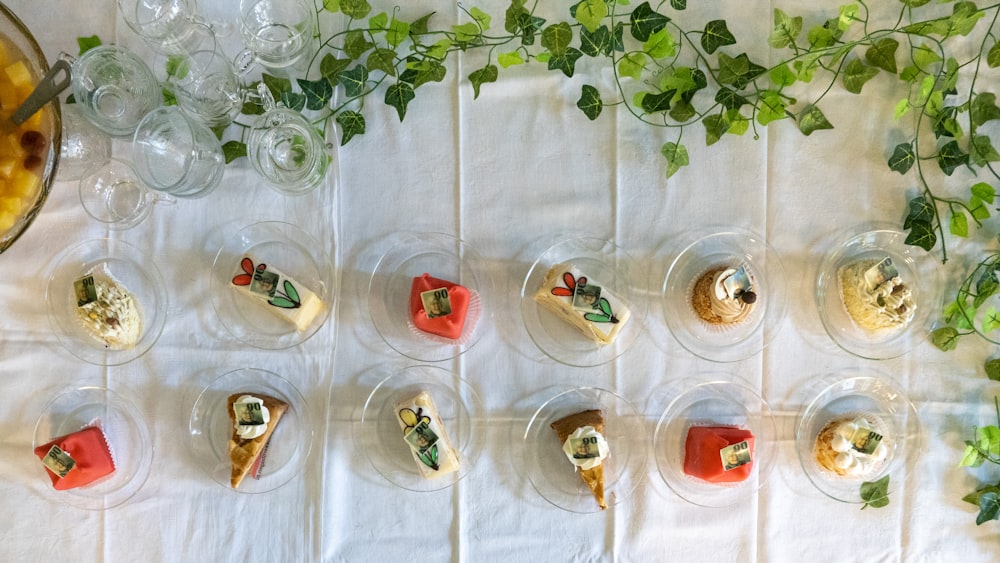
column 278, row 292
column 581, row 436
column 423, row 430
column 851, row 447
column 586, row 448
column 875, row 296
column 724, row 295
column 583, row 303
column 252, row 418
column 108, row 312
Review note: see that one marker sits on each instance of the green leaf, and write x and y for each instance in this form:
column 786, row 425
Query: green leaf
column 984, row 108
column 737, row 123
column 645, row 22
column 597, row 43
column 293, row 100
column 981, row 151
column 959, row 223
column 354, row 80
column 318, row 92
column 232, row 150
column 467, row 32
column 951, row 157
column 945, row 338
column 355, row 9
column 715, row 127
column 481, row 18
column 920, row 210
column 556, row 38
column 993, row 55
column 356, row 44
column 678, row 4
column 676, row 155
column 921, row 234
column 507, row 60
column 924, row 56
column 330, row 66
column 856, row 74
column 590, row 102
column 590, row 13
column 964, row 18
column 991, row 321
column 660, row 44
column 397, row 33
column 398, row 95
column 738, row 71
column 631, row 65
column 716, row 35
column 482, row 76
column 983, row 191
column 875, row 493
column 530, row 26
column 439, row 50
column 420, row 25
column 782, row 76
column 378, row 23
column 351, row 123
column 432, row 72
column 812, row 119
column 384, row 60
column 989, row 439
column 771, row 108
column 88, row 43
column 277, row 86
column 730, row 99
column 883, row 54
column 992, row 367
column 786, row 30
column 682, row 111
column 653, row 103
column 989, row 508
column 971, row 458
column 332, row 6
column 566, row 62
column 902, row 158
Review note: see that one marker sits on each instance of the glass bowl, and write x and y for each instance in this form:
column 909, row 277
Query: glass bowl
column 105, row 258
column 848, row 395
column 603, row 262
column 918, row 270
column 290, row 250
column 553, row 476
column 379, row 433
column 50, row 125
column 714, row 400
column 209, row 431
column 725, row 342
column 411, row 255
column 127, row 435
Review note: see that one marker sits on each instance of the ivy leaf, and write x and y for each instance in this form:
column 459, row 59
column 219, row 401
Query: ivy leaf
column 991, row 321
column 379, row 23
column 318, row 92
column 730, row 99
column 590, row 102
column 232, row 150
column 921, row 234
column 467, row 33
column 875, row 493
column 678, row 4
column 352, row 123
column 398, row 95
column 971, row 458
column 354, row 80
column 530, row 26
column 556, row 38
column 482, row 76
column 682, row 111
column 294, row 100
column 88, row 43
column 992, row 368
column 277, row 86
column 984, row 108
column 508, row 60
column 782, row 76
column 332, row 6
column 330, row 66
column 920, row 210
column 981, row 151
column 963, row 19
column 566, row 62
column 902, row 158
column 736, row 122
column 356, row 44
column 983, row 191
column 959, row 224
column 786, row 30
column 676, row 155
column 653, row 103
column 384, row 60
column 631, row 65
column 738, row 71
column 993, row 55
column 951, row 157
column 945, row 338
column 856, row 74
column 883, row 54
column 989, row 508
column 597, row 43
column 590, row 13
column 397, row 33
column 420, row 25
column 355, row 9
column 646, row 22
column 716, row 35
column 812, row 119
column 715, row 127
column 660, row 44
column 771, row 108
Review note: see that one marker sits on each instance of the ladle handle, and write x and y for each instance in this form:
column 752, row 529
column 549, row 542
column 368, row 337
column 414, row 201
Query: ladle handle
column 54, row 82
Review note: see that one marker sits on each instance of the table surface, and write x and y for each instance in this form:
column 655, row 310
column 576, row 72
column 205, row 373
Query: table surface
column 510, row 173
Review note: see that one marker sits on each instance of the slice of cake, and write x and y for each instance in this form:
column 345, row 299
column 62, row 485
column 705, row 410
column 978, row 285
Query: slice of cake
column 254, row 418
column 77, row 459
column 278, row 292
column 424, row 432
column 582, row 437
column 438, row 306
column 583, row 303
column 718, row 454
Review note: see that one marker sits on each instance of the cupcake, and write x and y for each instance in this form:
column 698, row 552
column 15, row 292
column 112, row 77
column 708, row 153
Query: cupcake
column 852, row 446
column 723, row 296
column 875, row 296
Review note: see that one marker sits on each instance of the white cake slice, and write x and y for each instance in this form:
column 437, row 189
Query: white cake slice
column 426, row 436
column 278, row 292
column 583, row 303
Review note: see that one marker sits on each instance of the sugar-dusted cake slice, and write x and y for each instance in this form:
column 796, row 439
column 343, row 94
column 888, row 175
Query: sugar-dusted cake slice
column 254, row 417
column 438, row 306
column 278, row 292
column 426, row 436
column 719, row 454
column 77, row 459
column 582, row 437
column 583, row 303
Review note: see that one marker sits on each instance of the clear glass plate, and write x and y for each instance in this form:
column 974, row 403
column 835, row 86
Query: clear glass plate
column 606, row 264
column 288, row 249
column 136, row 272
column 127, row 435
column 379, row 433
column 554, row 477
column 209, row 430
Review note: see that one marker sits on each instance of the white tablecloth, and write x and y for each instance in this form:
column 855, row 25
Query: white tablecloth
column 510, row 173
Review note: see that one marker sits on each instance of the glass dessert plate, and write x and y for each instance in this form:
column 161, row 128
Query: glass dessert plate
column 918, row 271
column 136, row 272
column 847, row 395
column 127, row 435
column 209, row 430
column 411, row 255
column 552, row 475
column 714, row 400
column 379, row 433
column 725, row 342
column 288, row 249
column 608, row 265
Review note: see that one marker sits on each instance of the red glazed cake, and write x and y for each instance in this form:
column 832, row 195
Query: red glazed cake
column 91, row 456
column 702, row 453
column 449, row 324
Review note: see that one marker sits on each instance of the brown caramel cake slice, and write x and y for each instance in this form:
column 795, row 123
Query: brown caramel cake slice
column 243, row 452
column 594, row 478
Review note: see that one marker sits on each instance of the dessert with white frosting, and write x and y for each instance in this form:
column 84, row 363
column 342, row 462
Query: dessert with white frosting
column 582, row 438
column 852, row 447
column 108, row 312
column 424, row 431
column 583, row 303
column 875, row 296
column 278, row 292
column 724, row 295
column 254, row 417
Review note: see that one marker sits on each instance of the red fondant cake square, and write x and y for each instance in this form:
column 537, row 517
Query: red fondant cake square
column 91, row 456
column 449, row 325
column 702, row 457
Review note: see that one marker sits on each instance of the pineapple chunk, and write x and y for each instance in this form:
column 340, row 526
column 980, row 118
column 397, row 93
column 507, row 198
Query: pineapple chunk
column 11, row 206
column 8, row 97
column 19, row 75
column 7, row 166
column 4, row 54
column 6, row 221
column 24, row 184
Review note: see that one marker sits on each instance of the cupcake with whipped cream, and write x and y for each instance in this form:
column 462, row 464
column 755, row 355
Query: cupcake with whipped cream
column 853, row 447
column 724, row 296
